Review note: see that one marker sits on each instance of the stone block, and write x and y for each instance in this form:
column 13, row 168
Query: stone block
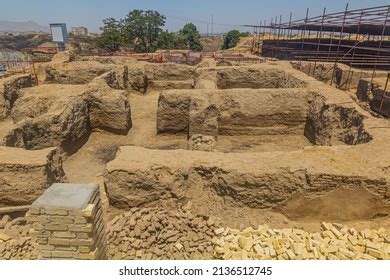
column 59, row 241
column 56, row 227
column 62, row 220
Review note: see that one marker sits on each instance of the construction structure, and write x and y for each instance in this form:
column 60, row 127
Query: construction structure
column 359, row 38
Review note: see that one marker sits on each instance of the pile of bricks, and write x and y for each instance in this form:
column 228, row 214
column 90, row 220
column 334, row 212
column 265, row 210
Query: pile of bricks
column 15, row 243
column 65, row 231
column 334, row 242
column 151, row 233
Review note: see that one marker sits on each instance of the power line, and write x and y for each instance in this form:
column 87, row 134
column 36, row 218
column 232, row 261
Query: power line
column 201, row 21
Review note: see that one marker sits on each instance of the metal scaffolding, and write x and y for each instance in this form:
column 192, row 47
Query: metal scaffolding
column 360, row 38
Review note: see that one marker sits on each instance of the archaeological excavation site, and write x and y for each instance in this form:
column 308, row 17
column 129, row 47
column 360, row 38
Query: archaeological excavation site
column 233, row 157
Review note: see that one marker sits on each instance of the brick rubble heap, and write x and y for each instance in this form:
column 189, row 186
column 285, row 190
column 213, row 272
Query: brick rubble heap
column 15, row 242
column 334, row 242
column 152, row 233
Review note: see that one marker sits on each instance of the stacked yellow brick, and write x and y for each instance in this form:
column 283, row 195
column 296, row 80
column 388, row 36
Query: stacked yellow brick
column 334, row 242
column 66, row 233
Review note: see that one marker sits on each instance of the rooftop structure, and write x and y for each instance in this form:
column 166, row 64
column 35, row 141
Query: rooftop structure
column 80, row 31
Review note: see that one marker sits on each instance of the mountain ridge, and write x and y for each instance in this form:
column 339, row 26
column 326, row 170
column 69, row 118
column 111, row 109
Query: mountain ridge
column 25, row 26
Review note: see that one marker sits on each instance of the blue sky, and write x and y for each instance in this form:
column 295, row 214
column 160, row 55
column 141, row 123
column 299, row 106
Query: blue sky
column 227, row 14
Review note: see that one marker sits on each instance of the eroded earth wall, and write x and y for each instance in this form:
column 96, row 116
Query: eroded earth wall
column 25, row 175
column 139, row 176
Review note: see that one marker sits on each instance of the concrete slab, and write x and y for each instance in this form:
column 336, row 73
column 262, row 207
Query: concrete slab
column 66, row 196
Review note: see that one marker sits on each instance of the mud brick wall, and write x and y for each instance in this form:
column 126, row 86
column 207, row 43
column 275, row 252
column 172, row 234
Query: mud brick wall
column 258, row 180
column 25, row 175
column 373, row 93
column 233, row 111
column 67, row 222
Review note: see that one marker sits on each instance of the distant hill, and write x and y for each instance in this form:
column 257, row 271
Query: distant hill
column 211, row 43
column 28, row 26
column 21, row 41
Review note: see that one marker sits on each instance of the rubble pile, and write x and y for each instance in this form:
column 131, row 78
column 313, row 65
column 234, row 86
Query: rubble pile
column 15, row 242
column 199, row 142
column 152, row 233
column 334, row 242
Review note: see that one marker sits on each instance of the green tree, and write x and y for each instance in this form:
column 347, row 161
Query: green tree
column 191, row 37
column 231, row 39
column 142, row 29
column 245, row 34
column 111, row 37
column 171, row 40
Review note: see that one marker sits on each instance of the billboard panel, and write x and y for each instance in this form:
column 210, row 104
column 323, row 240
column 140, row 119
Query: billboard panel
column 59, row 32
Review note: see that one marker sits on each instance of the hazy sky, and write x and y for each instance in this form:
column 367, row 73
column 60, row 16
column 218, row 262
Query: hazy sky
column 227, row 14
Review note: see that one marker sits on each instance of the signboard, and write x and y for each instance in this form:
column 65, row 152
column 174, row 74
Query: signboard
column 59, row 32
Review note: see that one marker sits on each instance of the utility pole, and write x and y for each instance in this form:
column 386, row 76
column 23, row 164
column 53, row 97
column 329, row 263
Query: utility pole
column 207, row 30
column 212, row 24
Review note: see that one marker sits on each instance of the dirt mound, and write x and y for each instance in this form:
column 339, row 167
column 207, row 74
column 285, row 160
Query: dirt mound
column 366, row 206
column 63, row 57
column 153, row 234
column 244, row 45
column 211, row 43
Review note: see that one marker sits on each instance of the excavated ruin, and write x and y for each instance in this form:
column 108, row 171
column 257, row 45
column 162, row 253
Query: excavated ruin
column 273, row 180
column 204, row 153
